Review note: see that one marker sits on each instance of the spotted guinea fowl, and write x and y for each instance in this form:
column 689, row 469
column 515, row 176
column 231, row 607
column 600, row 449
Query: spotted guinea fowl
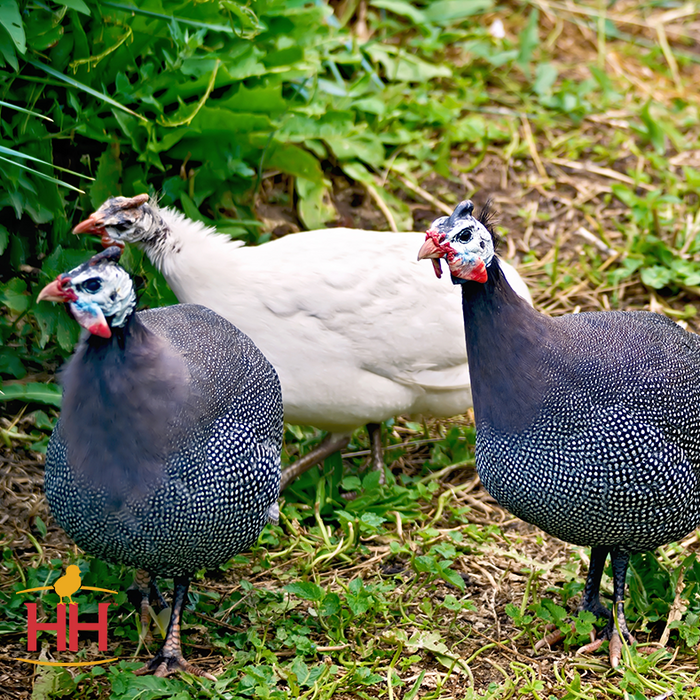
column 343, row 325
column 588, row 425
column 166, row 456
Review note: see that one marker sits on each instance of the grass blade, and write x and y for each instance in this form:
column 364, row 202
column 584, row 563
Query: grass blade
column 42, row 175
column 81, row 86
column 19, row 154
column 170, row 18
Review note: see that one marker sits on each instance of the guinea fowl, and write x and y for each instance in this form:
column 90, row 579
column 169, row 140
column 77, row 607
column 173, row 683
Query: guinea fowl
column 588, row 425
column 342, row 324
column 166, row 456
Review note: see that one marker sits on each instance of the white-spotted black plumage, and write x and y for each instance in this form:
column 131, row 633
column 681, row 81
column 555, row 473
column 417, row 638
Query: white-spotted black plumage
column 166, row 456
column 588, row 425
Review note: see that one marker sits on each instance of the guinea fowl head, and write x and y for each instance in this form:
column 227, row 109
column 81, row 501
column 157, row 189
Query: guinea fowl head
column 121, row 220
column 99, row 293
column 466, row 242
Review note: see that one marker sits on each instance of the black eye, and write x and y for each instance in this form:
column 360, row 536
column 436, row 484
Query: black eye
column 94, row 284
column 120, row 225
column 464, row 235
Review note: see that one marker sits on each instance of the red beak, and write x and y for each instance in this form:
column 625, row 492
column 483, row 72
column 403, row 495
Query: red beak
column 93, row 224
column 434, row 249
column 57, row 291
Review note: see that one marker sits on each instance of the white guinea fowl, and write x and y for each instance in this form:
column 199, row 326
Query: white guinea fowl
column 350, row 330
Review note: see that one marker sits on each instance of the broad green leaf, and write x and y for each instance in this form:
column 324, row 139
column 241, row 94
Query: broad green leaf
column 529, row 40
column 11, row 364
column 217, row 122
column 445, row 11
column 358, row 598
column 14, row 296
column 250, row 25
column 32, row 392
column 306, row 590
column 43, row 36
column 77, row 5
column 11, row 21
column 405, row 67
column 315, row 207
column 656, row 276
column 7, row 49
column 405, row 9
column 300, row 127
column 295, row 161
column 452, row 577
column 4, row 238
column 366, row 147
column 545, row 77
column 266, row 100
column 108, row 177
column 655, row 128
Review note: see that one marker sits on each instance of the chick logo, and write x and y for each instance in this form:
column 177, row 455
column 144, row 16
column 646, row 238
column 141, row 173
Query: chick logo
column 68, row 584
column 66, row 587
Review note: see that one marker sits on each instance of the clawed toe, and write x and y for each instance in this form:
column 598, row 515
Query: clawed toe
column 615, row 649
column 162, row 666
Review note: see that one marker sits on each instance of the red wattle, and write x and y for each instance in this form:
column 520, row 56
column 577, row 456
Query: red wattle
column 100, row 329
column 479, row 274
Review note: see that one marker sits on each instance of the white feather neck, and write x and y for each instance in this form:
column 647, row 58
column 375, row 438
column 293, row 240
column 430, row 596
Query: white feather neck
column 173, row 231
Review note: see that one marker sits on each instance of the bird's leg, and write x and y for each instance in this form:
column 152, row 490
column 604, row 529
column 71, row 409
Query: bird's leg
column 142, row 586
column 620, row 560
column 156, row 596
column 375, row 438
column 330, row 444
column 169, row 658
column 591, row 593
column 591, row 601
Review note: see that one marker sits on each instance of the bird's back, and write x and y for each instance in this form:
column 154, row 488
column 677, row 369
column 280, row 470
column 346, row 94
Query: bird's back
column 350, row 329
column 202, row 489
column 610, row 454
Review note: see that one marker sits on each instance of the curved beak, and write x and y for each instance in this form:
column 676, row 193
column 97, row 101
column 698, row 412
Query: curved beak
column 57, row 291
column 431, row 249
column 93, row 224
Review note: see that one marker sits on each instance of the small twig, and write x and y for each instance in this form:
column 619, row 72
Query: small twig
column 338, row 647
column 604, row 172
column 382, row 207
column 592, row 238
column 445, row 208
column 532, row 146
column 668, row 55
column 408, row 443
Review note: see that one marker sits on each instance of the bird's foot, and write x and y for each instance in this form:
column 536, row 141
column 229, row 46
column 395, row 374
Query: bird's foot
column 615, row 648
column 609, row 633
column 163, row 664
column 614, row 632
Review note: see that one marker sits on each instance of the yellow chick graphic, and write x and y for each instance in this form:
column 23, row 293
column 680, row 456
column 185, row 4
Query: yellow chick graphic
column 68, row 583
